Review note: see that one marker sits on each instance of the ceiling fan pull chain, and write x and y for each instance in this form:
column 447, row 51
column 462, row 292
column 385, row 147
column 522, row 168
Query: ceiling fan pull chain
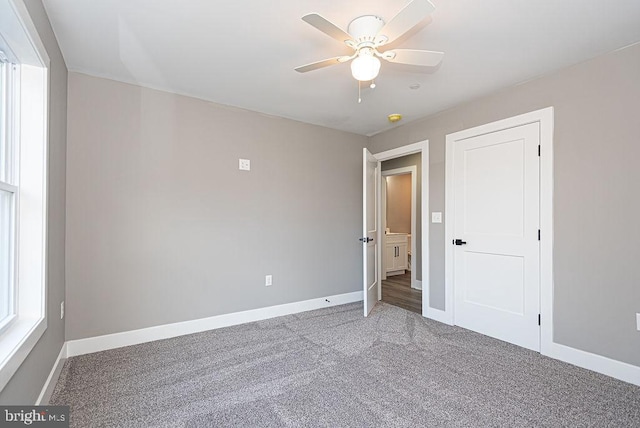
column 359, row 95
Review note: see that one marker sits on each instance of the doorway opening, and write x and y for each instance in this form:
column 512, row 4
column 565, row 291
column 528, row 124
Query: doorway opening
column 416, row 278
column 400, row 260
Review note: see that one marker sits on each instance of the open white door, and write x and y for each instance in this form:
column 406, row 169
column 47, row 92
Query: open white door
column 369, row 238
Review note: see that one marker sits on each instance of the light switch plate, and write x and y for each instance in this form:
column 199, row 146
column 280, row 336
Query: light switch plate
column 638, row 321
column 436, row 217
column 244, row 165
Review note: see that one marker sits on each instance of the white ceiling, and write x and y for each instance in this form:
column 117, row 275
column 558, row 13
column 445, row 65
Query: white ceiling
column 242, row 52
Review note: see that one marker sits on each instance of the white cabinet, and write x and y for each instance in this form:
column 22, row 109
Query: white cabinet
column 396, row 259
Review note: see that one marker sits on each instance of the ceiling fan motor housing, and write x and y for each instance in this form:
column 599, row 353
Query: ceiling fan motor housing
column 365, row 28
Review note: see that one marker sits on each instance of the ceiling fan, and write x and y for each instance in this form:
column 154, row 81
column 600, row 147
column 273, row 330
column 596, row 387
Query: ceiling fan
column 368, row 34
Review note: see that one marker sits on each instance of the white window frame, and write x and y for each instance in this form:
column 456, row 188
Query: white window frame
column 19, row 337
column 9, row 184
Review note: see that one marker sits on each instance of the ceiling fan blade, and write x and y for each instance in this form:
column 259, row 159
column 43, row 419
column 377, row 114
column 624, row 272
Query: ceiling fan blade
column 321, row 64
column 326, row 27
column 406, row 19
column 409, row 34
column 414, row 57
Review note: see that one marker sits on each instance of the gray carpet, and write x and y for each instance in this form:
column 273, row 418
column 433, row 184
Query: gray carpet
column 333, row 368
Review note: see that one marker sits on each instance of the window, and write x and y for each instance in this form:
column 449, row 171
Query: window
column 23, row 186
column 8, row 191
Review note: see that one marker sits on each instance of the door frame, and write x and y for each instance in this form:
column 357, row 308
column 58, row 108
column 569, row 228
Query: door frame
column 413, row 171
column 423, row 148
column 545, row 119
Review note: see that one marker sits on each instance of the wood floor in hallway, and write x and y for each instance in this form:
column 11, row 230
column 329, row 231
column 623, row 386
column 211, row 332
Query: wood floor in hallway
column 397, row 291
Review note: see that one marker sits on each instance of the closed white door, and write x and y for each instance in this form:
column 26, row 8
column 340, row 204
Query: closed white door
column 496, row 225
column 370, row 172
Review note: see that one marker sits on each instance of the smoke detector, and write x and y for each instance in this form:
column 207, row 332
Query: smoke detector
column 395, row 117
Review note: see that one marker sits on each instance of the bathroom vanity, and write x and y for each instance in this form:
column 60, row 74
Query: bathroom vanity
column 396, row 253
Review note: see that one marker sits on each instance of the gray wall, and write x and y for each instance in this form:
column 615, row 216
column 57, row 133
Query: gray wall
column 596, row 209
column 399, row 203
column 162, row 226
column 24, row 387
column 401, row 162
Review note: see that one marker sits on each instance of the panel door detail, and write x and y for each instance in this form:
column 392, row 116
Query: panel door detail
column 496, row 263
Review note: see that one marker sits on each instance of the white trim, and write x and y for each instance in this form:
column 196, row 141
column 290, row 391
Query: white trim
column 418, row 283
column 31, row 251
column 135, row 337
column 439, row 315
column 50, row 384
column 399, row 152
column 21, row 338
column 8, row 187
column 607, row 366
column 379, row 232
column 447, row 314
column 545, row 117
column 413, row 170
column 383, row 221
column 409, row 149
column 20, row 9
column 597, row 363
column 426, row 269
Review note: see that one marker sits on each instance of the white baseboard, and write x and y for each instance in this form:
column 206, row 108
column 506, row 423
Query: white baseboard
column 47, row 389
column 597, row 363
column 134, row 337
column 396, row 272
column 417, row 285
column 607, row 366
column 594, row 362
column 438, row 315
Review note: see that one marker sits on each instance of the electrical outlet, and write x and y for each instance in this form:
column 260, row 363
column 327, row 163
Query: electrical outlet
column 268, row 280
column 244, row 164
column 436, row 217
column 62, row 310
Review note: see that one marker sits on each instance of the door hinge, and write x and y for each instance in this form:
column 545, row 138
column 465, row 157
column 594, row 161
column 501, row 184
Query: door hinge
column 538, row 149
column 539, row 319
column 538, row 234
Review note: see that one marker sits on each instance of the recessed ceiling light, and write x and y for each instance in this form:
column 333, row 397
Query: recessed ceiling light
column 414, row 86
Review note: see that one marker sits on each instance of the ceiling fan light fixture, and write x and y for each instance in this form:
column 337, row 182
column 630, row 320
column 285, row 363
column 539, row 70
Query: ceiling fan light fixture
column 367, row 33
column 365, row 67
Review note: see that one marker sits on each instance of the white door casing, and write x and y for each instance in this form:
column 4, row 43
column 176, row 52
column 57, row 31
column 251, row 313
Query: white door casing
column 370, row 247
column 413, row 170
column 421, row 147
column 545, row 118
